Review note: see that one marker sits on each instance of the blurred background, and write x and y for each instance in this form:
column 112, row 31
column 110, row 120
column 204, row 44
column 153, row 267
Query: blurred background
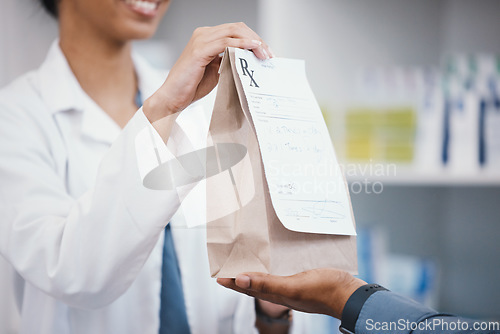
column 410, row 92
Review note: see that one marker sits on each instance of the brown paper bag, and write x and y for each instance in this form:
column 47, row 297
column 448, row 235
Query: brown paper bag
column 243, row 232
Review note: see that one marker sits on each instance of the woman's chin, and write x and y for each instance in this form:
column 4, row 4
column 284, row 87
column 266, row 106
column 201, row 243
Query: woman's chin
column 136, row 31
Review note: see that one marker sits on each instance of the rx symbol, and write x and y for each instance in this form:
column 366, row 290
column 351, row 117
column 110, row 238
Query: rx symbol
column 247, row 72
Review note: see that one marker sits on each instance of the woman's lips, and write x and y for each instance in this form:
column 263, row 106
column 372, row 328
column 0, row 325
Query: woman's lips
column 143, row 7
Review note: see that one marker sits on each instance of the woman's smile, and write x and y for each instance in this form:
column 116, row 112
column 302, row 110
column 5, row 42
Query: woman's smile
column 143, row 7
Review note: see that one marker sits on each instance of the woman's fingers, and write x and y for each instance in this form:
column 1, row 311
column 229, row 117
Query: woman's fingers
column 195, row 73
column 237, row 35
column 260, row 49
column 237, row 30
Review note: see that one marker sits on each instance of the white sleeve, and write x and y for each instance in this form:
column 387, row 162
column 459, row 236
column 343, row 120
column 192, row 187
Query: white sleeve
column 87, row 251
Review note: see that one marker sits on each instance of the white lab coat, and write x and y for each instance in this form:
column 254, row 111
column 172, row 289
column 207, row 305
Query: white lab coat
column 82, row 234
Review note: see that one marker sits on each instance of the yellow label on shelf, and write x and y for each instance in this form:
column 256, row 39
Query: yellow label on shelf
column 380, row 134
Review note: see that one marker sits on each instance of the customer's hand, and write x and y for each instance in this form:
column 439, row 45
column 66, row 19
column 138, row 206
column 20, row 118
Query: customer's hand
column 195, row 73
column 316, row 291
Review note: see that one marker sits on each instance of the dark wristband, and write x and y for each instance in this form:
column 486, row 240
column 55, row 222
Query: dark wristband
column 354, row 305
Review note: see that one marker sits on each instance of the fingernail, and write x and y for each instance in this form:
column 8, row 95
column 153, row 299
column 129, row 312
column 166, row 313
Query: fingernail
column 243, row 281
column 256, row 42
column 265, row 53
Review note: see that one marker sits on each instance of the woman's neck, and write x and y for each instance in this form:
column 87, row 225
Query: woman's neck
column 104, row 69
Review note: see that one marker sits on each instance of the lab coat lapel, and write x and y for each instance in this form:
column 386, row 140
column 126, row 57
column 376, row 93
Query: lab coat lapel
column 63, row 94
column 97, row 124
column 59, row 88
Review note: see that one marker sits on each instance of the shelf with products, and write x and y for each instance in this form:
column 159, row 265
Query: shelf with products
column 441, row 126
column 406, row 175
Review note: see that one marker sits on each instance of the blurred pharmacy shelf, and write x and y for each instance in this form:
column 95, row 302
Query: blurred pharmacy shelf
column 409, row 176
column 367, row 62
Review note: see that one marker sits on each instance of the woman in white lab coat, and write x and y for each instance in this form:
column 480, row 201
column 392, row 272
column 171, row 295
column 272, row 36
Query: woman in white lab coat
column 81, row 232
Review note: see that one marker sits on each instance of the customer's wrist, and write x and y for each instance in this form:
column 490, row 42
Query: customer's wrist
column 346, row 286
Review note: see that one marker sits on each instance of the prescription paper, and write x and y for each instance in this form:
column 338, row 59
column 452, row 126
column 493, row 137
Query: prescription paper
column 305, row 181
column 264, row 216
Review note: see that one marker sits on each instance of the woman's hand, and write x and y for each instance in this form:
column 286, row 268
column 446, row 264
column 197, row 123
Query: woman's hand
column 195, row 73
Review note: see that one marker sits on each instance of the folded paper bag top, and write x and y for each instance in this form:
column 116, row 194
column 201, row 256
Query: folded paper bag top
column 284, row 207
